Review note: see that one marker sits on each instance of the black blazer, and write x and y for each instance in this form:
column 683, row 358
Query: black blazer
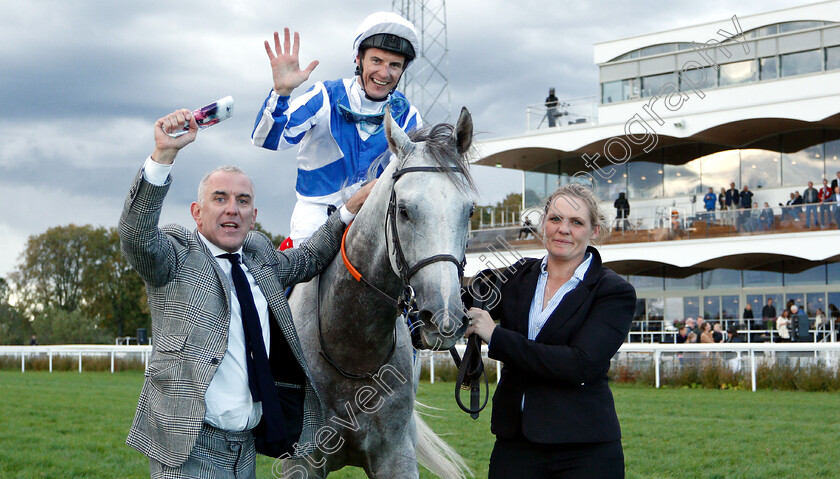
column 563, row 373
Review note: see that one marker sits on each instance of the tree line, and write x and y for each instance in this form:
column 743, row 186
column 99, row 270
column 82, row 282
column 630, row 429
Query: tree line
column 72, row 285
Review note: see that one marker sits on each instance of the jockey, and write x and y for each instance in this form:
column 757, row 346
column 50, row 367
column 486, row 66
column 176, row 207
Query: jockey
column 338, row 124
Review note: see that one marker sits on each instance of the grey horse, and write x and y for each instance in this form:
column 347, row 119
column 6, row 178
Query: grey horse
column 357, row 346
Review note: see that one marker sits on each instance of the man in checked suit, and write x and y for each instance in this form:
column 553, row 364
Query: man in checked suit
column 197, row 417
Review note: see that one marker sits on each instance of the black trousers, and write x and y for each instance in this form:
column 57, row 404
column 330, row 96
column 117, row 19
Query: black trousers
column 522, row 459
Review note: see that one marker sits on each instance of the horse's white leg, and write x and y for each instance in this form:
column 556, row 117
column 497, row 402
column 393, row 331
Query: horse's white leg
column 397, row 462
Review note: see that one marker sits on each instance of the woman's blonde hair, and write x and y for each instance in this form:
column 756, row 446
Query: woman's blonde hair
column 587, row 197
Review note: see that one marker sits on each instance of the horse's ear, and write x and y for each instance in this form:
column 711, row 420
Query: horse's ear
column 464, row 131
column 398, row 140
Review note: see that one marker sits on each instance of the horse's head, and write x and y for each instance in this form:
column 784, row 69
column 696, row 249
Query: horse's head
column 429, row 212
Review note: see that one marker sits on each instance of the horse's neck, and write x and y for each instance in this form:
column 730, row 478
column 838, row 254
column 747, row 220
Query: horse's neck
column 358, row 314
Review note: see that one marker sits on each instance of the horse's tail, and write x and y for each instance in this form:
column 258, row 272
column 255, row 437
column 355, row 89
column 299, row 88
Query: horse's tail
column 436, row 455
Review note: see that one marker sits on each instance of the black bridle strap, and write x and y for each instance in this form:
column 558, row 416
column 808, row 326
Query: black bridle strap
column 470, row 371
column 434, row 259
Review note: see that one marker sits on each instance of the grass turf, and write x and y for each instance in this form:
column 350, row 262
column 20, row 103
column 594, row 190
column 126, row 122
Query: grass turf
column 71, row 425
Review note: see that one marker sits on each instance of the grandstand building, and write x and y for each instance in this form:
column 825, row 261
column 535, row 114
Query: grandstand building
column 752, row 100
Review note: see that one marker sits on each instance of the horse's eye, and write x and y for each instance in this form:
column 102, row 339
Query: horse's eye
column 403, row 212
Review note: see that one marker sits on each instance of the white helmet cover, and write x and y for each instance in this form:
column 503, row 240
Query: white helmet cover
column 386, row 22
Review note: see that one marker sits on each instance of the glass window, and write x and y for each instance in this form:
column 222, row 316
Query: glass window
column 682, row 179
column 834, row 307
column 646, row 283
column 698, row 79
column 832, row 58
column 761, row 168
column 730, row 307
column 756, row 302
column 653, row 83
column 630, row 89
column 655, row 307
column 769, row 68
column 644, row 179
column 807, row 164
column 801, row 62
column 611, row 91
column 815, row 275
column 738, row 72
column 641, row 307
column 763, row 31
column 538, row 185
column 814, row 301
column 691, row 282
column 658, row 49
column 721, row 168
column 607, row 189
column 762, row 278
column 833, row 273
column 721, row 278
column 794, row 26
column 711, row 308
column 794, row 298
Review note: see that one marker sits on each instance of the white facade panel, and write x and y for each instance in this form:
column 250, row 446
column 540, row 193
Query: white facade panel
column 799, row 42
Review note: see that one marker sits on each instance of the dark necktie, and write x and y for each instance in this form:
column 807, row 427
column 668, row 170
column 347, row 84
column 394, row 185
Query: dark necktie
column 260, row 379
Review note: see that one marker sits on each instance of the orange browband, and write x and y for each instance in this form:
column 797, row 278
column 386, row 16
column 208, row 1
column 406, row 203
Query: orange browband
column 353, row 271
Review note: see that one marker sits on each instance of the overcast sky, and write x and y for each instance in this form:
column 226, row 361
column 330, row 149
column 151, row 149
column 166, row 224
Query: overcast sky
column 82, row 82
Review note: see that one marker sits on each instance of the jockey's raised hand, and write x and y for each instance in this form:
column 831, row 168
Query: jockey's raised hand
column 285, row 67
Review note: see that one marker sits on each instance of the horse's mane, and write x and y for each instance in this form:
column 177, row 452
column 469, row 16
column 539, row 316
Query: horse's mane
column 441, row 149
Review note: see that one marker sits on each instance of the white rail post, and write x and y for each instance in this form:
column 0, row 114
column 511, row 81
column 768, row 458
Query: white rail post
column 656, row 355
column 80, row 361
column 49, row 353
column 112, row 362
column 752, row 368
column 145, row 359
column 432, row 368
column 22, row 362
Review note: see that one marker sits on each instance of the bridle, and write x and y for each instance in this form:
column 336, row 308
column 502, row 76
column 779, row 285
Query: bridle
column 406, row 301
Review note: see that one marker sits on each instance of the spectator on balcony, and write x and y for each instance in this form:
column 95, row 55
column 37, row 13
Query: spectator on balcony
column 824, row 196
column 800, row 324
column 783, row 326
column 526, row 230
column 732, row 335
column 745, row 204
column 835, row 198
column 717, row 333
column 622, row 212
column 797, row 200
column 748, row 313
column 786, row 209
column 682, row 335
column 836, row 181
column 551, row 102
column 706, row 336
column 768, row 313
column 733, row 197
column 811, row 197
column 754, row 219
column 722, row 199
column 710, row 200
column 767, row 218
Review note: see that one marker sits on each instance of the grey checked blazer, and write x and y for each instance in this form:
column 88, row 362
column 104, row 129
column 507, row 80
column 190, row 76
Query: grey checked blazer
column 189, row 298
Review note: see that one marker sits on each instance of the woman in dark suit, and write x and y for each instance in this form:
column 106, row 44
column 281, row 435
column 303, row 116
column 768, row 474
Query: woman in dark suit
column 561, row 320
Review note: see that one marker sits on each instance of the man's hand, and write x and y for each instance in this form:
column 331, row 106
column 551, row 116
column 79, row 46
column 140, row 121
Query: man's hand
column 285, row 67
column 354, row 204
column 166, row 147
